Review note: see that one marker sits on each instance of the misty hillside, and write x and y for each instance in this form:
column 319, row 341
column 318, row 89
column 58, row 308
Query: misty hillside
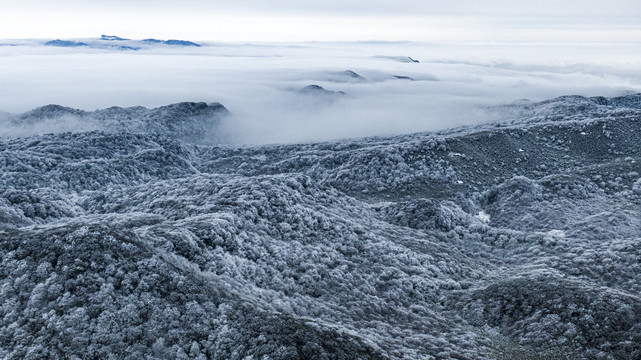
column 133, row 236
column 188, row 121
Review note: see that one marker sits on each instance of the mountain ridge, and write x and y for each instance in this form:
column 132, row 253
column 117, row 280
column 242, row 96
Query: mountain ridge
column 193, row 121
column 512, row 240
column 119, row 43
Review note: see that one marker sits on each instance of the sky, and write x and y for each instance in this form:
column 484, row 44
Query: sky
column 328, row 20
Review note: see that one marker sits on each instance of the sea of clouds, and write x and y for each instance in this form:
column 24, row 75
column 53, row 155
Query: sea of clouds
column 453, row 84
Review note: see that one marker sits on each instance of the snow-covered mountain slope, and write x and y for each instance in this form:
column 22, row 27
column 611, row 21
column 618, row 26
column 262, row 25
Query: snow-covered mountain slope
column 513, row 240
column 189, row 121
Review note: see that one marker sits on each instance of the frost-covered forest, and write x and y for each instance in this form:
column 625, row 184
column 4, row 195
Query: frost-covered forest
column 133, row 235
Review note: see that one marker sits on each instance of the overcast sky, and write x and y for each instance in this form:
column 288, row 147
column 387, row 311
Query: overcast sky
column 327, row 20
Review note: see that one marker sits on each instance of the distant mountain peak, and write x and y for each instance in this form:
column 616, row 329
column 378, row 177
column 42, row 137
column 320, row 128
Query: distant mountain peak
column 112, row 38
column 353, row 74
column 123, row 47
column 181, row 43
column 119, row 43
column 319, row 90
column 404, row 59
column 192, row 108
column 65, row 43
column 172, row 42
column 51, row 111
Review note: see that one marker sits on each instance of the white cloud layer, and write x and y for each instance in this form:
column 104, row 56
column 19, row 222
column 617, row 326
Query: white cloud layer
column 258, row 83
